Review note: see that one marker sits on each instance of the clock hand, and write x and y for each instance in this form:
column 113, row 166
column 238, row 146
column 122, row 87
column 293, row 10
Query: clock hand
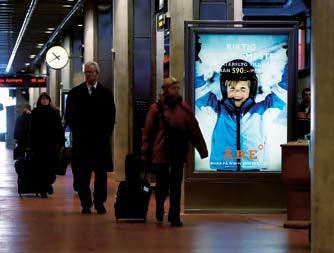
column 53, row 59
column 57, row 57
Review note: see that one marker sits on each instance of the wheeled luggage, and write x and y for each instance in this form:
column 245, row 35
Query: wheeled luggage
column 27, row 178
column 132, row 200
column 133, row 195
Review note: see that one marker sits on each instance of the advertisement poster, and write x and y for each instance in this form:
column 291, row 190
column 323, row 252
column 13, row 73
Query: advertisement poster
column 241, row 84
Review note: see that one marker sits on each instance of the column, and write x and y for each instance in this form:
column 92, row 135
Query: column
column 66, row 71
column 237, row 10
column 322, row 125
column 54, row 87
column 179, row 12
column 90, row 31
column 122, row 80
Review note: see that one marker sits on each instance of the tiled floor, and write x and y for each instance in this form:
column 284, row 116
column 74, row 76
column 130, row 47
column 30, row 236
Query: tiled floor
column 55, row 224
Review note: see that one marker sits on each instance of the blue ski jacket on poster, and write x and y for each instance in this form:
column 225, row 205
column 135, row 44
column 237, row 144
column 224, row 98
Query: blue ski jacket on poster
column 238, row 139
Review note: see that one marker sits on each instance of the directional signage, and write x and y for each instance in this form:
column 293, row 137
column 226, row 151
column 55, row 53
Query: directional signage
column 22, row 81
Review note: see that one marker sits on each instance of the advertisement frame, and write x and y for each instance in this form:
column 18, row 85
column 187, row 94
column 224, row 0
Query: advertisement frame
column 289, row 28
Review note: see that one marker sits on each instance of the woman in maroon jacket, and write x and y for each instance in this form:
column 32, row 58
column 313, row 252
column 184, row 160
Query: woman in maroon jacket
column 170, row 125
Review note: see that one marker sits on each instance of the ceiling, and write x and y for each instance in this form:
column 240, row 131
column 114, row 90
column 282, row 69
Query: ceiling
column 48, row 14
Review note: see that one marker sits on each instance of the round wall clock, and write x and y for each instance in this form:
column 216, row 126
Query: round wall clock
column 56, row 57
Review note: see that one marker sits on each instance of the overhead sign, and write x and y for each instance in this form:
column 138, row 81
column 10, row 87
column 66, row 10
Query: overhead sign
column 161, row 21
column 22, row 81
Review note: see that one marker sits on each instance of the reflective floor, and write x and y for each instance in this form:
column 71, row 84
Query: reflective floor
column 31, row 224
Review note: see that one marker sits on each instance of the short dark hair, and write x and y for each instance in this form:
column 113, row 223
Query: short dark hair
column 43, row 95
column 305, row 90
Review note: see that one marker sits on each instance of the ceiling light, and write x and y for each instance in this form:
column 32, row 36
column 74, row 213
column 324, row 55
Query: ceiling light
column 76, row 6
column 25, row 24
column 32, row 56
column 51, row 28
column 80, row 25
column 48, row 32
column 27, row 64
column 70, row 0
column 67, row 6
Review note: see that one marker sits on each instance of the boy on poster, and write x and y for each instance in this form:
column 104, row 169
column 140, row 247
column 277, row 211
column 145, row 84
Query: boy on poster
column 238, row 138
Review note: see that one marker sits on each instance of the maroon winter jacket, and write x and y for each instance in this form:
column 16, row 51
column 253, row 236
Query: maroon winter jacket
column 154, row 133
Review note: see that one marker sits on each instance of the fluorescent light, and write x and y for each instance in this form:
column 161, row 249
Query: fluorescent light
column 32, row 56
column 26, row 21
column 80, row 25
column 27, row 64
column 51, row 28
column 67, row 6
column 58, row 29
column 48, row 32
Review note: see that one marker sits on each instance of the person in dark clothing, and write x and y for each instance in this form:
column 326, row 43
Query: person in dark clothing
column 21, row 131
column 170, row 125
column 304, row 114
column 46, row 140
column 90, row 114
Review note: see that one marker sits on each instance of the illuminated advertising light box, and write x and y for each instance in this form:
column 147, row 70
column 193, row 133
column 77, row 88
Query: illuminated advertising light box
column 22, row 81
column 240, row 80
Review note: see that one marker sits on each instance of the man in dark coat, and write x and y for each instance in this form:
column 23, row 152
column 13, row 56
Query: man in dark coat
column 90, row 114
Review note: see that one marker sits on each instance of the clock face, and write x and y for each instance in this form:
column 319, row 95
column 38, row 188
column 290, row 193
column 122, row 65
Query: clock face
column 56, row 57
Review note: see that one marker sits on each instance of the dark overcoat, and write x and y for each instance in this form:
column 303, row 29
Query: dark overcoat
column 46, row 136
column 91, row 120
column 21, row 130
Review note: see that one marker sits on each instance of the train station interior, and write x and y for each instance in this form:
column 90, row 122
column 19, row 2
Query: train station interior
column 266, row 182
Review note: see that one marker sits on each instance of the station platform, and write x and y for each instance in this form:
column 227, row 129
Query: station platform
column 32, row 224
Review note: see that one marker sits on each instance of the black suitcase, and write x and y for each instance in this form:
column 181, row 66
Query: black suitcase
column 132, row 200
column 27, row 178
column 133, row 195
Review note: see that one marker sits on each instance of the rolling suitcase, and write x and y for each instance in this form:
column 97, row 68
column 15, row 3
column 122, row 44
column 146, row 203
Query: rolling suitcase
column 133, row 195
column 132, row 200
column 27, row 178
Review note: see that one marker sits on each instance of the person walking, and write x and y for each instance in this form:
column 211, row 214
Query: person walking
column 170, row 125
column 46, row 140
column 90, row 114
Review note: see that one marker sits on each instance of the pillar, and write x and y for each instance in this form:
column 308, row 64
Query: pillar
column 90, row 31
column 122, row 83
column 237, row 10
column 179, row 12
column 54, row 87
column 66, row 71
column 322, row 125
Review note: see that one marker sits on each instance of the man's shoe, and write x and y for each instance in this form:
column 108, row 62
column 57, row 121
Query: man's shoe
column 101, row 209
column 44, row 195
column 176, row 223
column 50, row 190
column 85, row 210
